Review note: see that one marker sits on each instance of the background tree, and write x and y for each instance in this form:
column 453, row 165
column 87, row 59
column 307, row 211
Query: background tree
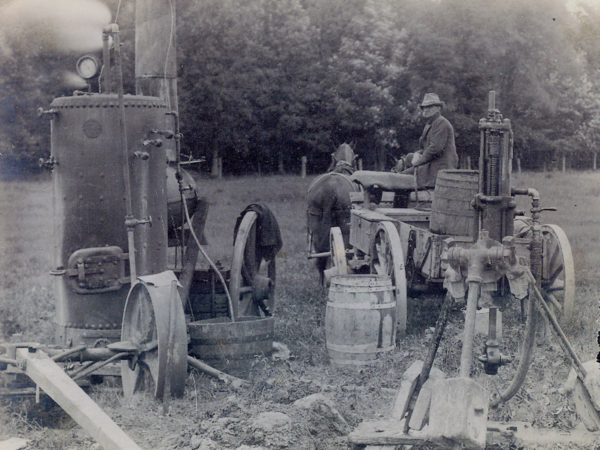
column 264, row 82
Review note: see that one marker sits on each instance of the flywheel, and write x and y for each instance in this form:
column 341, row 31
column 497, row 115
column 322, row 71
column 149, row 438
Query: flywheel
column 154, row 325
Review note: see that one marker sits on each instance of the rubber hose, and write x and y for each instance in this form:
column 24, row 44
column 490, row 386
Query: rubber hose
column 524, row 360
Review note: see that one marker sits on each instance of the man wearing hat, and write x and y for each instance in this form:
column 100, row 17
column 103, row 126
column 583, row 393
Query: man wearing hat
column 437, row 147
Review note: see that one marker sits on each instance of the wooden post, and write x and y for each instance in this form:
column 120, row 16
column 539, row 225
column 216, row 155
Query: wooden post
column 564, row 163
column 594, row 165
column 545, row 167
column 303, row 167
column 468, row 162
column 220, row 167
column 214, row 168
column 360, row 164
column 64, row 391
column 519, row 166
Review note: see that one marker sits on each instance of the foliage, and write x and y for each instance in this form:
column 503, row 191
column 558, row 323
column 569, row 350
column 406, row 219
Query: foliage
column 264, row 82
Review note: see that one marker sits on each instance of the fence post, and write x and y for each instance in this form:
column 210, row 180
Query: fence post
column 519, row 166
column 564, row 163
column 360, row 165
column 303, row 167
column 220, row 167
column 594, row 165
column 468, row 162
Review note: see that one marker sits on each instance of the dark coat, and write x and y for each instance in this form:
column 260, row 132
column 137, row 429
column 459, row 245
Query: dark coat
column 328, row 205
column 438, row 151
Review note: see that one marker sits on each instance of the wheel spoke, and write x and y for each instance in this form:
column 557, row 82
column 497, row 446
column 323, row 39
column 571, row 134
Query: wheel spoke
column 554, row 302
column 387, row 258
column 554, row 275
column 555, row 287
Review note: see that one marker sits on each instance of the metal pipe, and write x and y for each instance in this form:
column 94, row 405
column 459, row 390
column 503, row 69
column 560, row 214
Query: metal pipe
column 143, row 233
column 564, row 342
column 319, row 255
column 64, row 355
column 91, row 369
column 84, row 354
column 106, row 83
column 12, row 362
column 209, row 370
column 466, row 356
column 130, row 221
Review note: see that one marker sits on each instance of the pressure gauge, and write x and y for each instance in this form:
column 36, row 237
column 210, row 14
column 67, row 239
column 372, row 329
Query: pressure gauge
column 88, row 67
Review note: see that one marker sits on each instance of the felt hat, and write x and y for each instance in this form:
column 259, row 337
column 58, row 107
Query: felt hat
column 431, row 99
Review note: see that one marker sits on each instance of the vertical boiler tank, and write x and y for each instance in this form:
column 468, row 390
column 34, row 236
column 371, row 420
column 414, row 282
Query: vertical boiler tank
column 90, row 236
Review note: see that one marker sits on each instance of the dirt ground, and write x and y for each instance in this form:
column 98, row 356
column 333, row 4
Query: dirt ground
column 295, row 401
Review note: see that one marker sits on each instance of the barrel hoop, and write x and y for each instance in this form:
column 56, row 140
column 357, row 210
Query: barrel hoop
column 352, row 362
column 232, row 358
column 346, row 289
column 362, row 305
column 358, row 349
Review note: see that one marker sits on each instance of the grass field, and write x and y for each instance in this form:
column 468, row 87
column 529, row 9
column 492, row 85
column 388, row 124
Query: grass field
column 26, row 312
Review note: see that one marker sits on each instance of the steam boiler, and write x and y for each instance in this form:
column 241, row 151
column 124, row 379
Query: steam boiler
column 128, row 229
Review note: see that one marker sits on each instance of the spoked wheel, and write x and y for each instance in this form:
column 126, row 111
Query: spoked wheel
column 154, row 324
column 252, row 279
column 337, row 263
column 558, row 272
column 387, row 258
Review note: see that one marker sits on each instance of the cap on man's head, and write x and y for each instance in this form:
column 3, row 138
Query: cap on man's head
column 344, row 153
column 431, row 99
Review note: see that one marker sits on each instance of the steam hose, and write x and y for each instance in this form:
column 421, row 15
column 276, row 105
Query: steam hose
column 524, row 361
column 210, row 262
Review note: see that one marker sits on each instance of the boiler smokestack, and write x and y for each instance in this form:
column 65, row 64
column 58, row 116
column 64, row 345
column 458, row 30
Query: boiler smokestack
column 155, row 51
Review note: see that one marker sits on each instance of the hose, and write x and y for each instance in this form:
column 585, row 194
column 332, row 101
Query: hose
column 524, row 360
column 210, row 262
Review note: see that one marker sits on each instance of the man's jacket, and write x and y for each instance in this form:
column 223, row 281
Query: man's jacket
column 438, row 151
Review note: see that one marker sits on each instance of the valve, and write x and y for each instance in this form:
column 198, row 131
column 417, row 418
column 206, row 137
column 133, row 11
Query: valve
column 153, row 142
column 48, row 163
column 41, row 112
column 492, row 358
column 141, row 155
column 168, row 134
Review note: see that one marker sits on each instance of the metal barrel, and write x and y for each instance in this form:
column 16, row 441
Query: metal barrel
column 452, row 212
column 360, row 319
column 232, row 346
column 90, row 236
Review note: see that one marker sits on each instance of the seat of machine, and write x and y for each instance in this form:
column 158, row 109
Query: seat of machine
column 388, row 181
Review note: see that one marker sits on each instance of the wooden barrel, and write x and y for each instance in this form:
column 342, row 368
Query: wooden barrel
column 360, row 319
column 231, row 346
column 452, row 212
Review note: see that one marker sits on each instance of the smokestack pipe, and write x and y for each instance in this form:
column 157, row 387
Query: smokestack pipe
column 155, row 51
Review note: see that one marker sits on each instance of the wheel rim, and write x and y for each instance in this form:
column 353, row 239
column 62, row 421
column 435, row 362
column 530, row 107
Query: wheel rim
column 249, row 267
column 558, row 271
column 338, row 251
column 154, row 321
column 387, row 258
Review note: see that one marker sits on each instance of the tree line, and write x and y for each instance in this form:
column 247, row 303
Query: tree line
column 264, row 82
